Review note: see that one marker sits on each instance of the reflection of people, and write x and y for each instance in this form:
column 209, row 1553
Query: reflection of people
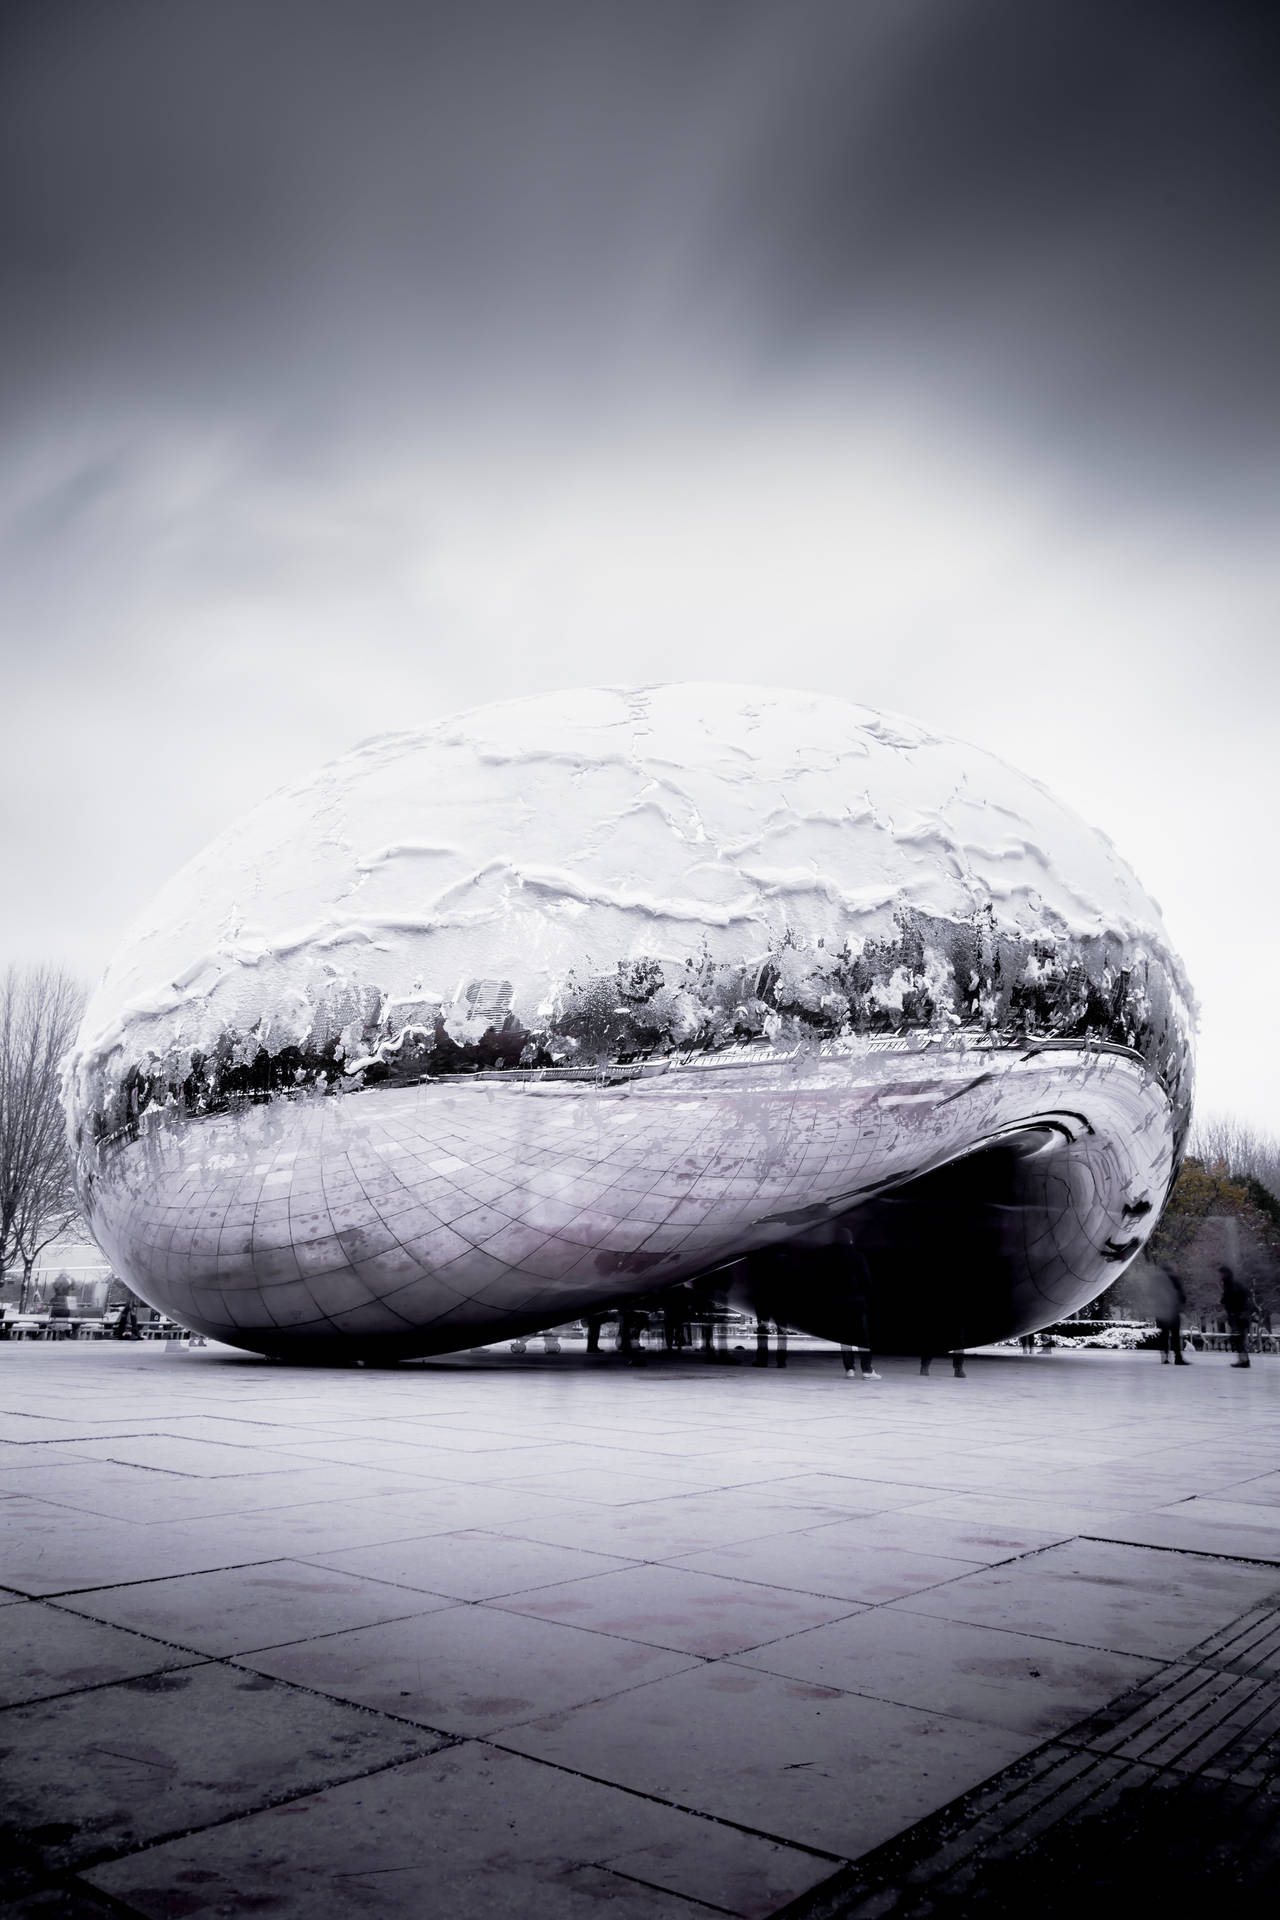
column 1237, row 1304
column 763, row 1325
column 1170, row 1298
column 594, row 1322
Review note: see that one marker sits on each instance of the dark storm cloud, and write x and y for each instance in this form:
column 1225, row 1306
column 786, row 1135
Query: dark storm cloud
column 1059, row 212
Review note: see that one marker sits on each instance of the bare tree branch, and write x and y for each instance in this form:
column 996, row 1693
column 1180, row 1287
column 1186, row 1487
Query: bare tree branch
column 1243, row 1151
column 39, row 1011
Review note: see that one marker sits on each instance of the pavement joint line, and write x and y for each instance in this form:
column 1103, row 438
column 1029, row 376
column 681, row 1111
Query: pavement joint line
column 651, row 1886
column 631, row 1639
column 238, row 1663
column 153, row 1580
column 1191, row 1553
column 444, row 1743
column 244, row 1653
column 655, row 1799
column 101, row 1686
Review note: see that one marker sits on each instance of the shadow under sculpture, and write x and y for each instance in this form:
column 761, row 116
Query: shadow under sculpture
column 763, row 961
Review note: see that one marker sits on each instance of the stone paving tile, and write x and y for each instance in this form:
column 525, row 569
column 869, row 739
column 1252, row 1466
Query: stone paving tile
column 1203, row 1525
column 206, row 1459
column 859, row 1494
column 669, row 1606
column 1104, row 1594
column 106, row 1491
column 674, row 1462
column 296, row 1533
column 1261, row 1489
column 603, row 1485
column 835, row 1560
column 45, row 1650
column 1056, row 1515
column 805, row 1764
column 1167, row 1793
column 665, row 1529
column 40, row 1455
column 469, row 1566
column 442, row 1507
column 470, row 1669
column 55, row 1557
column 986, row 1674
column 470, row 1833
column 94, row 1773
column 242, row 1609
column 976, row 1540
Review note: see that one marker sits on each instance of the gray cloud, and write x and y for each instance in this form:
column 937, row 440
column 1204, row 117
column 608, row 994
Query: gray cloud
column 365, row 360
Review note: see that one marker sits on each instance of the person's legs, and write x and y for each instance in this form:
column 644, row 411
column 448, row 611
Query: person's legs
column 957, row 1363
column 1239, row 1342
column 1179, row 1357
column 868, row 1364
column 925, row 1358
column 781, row 1332
column 849, row 1361
column 762, row 1344
column 1164, row 1345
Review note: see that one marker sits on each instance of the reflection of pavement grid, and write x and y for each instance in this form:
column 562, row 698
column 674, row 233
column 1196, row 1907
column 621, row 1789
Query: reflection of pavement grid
column 457, row 1204
column 1174, row 1789
column 551, row 1636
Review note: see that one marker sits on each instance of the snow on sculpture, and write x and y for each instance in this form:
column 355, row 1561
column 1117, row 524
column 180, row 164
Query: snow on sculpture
column 564, row 1000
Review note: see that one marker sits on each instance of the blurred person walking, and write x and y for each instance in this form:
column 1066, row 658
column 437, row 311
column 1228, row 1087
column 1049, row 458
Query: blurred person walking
column 1238, row 1305
column 1170, row 1299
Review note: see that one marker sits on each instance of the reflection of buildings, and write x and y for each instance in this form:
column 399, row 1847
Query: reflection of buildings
column 82, row 1264
column 489, row 1000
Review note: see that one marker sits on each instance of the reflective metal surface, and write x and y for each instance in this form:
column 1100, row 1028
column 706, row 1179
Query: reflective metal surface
column 430, row 1218
column 943, row 1015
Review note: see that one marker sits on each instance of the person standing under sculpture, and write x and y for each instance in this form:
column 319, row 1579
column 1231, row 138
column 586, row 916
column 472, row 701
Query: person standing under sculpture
column 855, row 1353
column 1170, row 1301
column 1237, row 1304
column 956, row 1357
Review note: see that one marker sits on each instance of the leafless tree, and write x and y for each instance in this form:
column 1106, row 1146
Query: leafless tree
column 39, row 1012
column 1241, row 1150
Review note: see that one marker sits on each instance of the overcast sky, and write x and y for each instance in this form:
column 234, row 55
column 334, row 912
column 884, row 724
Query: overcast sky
column 366, row 359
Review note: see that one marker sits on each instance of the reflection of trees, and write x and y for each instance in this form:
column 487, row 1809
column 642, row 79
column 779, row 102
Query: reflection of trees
column 39, row 1011
column 1213, row 1217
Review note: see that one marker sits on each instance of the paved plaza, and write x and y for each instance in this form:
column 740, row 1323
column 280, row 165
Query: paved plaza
column 547, row 1636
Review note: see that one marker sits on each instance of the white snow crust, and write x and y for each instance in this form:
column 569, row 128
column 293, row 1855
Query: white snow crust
column 572, row 831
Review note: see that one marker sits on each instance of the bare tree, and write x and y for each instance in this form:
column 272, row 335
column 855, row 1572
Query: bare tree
column 39, row 1012
column 1239, row 1149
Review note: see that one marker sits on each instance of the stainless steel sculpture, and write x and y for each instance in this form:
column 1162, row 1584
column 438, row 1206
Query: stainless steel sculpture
column 565, row 1000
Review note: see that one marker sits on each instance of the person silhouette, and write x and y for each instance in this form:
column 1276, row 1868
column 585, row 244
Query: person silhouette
column 1237, row 1304
column 1170, row 1302
column 855, row 1352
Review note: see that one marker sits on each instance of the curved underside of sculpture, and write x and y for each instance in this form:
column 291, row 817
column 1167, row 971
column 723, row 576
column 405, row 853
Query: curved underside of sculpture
column 940, row 1024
